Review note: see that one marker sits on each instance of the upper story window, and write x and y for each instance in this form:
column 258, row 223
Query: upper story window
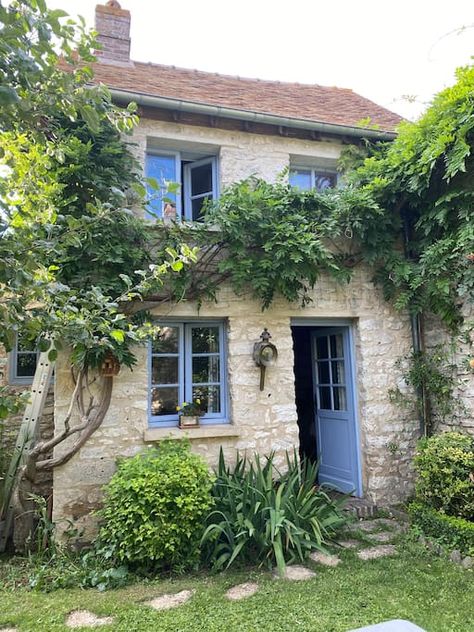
column 197, row 180
column 188, row 362
column 23, row 361
column 307, row 178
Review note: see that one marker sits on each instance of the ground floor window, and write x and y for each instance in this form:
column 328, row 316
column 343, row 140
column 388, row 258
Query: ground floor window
column 188, row 362
column 23, row 361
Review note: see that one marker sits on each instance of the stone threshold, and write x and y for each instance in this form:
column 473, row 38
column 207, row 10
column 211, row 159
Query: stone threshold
column 203, row 432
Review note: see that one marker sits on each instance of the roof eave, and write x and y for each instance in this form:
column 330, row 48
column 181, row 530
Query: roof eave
column 180, row 105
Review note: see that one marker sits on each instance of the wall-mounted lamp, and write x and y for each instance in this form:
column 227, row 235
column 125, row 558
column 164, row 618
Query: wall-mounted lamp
column 264, row 354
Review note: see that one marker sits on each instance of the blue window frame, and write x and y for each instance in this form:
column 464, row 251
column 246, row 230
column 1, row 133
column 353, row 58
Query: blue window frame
column 197, row 180
column 187, row 361
column 23, row 361
column 306, row 178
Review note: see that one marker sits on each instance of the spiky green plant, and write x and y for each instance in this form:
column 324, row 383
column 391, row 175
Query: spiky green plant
column 263, row 516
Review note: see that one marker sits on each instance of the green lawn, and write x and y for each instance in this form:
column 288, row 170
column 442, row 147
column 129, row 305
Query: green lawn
column 432, row 592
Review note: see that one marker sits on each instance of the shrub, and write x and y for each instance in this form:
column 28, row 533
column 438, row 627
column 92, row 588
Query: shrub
column 261, row 516
column 155, row 506
column 445, row 467
column 452, row 532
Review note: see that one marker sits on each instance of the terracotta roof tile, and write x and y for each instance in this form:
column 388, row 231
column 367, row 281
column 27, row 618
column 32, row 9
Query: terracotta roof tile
column 302, row 101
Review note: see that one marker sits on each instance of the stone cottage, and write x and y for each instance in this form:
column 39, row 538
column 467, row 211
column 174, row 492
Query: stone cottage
column 328, row 391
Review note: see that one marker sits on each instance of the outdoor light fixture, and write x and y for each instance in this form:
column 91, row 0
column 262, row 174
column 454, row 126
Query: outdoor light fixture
column 264, row 354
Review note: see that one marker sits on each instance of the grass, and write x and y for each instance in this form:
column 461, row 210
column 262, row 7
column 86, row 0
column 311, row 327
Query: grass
column 432, row 592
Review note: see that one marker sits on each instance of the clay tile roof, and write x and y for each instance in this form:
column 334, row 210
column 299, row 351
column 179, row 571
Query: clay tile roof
column 316, row 103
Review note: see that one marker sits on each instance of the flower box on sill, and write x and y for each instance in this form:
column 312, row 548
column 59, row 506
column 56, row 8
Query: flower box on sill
column 189, row 421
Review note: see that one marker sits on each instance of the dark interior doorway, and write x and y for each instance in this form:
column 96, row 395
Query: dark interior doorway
column 304, row 392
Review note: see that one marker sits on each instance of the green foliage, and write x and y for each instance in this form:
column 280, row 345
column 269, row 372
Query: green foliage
column 261, row 516
column 155, row 506
column 449, row 531
column 434, row 373
column 273, row 240
column 445, row 468
column 424, row 181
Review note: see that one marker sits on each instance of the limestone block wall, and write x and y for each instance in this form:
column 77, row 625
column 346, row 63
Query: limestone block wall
column 260, row 421
column 240, row 154
column 458, row 350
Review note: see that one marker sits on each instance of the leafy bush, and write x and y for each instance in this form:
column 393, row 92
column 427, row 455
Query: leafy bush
column 454, row 533
column 445, row 467
column 154, row 508
column 63, row 568
column 264, row 517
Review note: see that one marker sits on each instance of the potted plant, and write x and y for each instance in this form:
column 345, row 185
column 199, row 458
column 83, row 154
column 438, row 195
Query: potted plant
column 190, row 413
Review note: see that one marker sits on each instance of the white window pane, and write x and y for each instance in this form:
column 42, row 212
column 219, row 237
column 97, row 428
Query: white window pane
column 324, row 181
column 26, row 364
column 166, row 340
column 206, row 369
column 300, row 178
column 209, row 396
column 164, row 401
column 205, row 339
column 165, row 370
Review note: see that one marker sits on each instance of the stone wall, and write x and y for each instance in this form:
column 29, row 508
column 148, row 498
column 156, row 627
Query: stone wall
column 458, row 350
column 259, row 421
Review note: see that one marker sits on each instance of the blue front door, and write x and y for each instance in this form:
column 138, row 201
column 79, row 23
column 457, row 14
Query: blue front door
column 336, row 429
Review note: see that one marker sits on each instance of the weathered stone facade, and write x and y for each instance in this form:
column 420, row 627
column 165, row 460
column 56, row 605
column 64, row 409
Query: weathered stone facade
column 259, row 421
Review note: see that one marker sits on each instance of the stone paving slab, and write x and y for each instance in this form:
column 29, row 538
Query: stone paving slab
column 350, row 544
column 295, row 573
column 324, row 559
column 383, row 537
column 242, row 591
column 8, row 629
column 374, row 552
column 84, row 618
column 165, row 602
column 373, row 525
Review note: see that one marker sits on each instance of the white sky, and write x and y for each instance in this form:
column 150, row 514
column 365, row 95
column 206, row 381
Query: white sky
column 382, row 50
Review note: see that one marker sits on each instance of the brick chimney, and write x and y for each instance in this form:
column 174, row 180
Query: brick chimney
column 112, row 24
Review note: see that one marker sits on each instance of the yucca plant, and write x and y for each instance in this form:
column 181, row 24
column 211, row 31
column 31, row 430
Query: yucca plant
column 263, row 516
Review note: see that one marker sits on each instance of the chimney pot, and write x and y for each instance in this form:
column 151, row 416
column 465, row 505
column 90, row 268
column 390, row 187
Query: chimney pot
column 112, row 24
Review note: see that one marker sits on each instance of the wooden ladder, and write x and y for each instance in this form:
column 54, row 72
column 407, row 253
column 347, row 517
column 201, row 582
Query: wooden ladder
column 27, row 437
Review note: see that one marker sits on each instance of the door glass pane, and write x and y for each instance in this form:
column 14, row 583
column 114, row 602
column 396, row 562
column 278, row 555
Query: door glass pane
column 301, row 179
column 340, row 400
column 210, row 397
column 166, row 341
column 201, row 179
column 337, row 349
column 338, row 372
column 163, row 170
column 205, row 339
column 325, row 397
column 322, row 348
column 164, row 370
column 164, row 400
column 206, row 369
column 323, row 373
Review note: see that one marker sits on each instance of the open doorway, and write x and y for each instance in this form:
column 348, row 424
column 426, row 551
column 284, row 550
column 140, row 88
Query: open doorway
column 325, row 403
column 304, row 392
